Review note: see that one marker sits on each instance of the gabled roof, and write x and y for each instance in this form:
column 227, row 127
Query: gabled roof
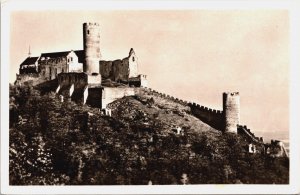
column 30, row 60
column 55, row 54
column 79, row 53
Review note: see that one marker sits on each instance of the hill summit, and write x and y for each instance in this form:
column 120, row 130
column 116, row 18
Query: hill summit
column 144, row 139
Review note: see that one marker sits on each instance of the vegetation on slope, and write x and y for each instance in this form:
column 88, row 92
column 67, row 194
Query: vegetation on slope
column 55, row 143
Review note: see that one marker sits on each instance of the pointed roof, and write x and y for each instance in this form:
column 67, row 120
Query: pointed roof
column 131, row 52
column 29, row 61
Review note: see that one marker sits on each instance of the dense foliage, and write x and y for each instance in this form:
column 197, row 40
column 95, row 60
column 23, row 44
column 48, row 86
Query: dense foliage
column 55, row 143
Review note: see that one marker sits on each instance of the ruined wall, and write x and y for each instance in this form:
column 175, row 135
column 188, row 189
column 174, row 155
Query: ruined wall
column 120, row 70
column 30, row 78
column 231, row 108
column 106, row 69
column 111, row 94
column 50, row 68
column 132, row 61
column 91, row 45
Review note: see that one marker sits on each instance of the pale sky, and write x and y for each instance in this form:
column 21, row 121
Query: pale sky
column 193, row 55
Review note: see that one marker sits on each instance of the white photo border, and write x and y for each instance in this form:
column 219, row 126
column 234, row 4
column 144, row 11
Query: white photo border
column 294, row 16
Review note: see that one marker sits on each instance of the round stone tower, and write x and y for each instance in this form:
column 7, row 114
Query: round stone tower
column 231, row 111
column 91, row 46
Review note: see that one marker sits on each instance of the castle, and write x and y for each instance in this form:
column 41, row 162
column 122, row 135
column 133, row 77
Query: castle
column 85, row 78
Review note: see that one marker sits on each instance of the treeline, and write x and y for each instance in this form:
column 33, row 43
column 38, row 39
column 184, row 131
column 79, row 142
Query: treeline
column 61, row 143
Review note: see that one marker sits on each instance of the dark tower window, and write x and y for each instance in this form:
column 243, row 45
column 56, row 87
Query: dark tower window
column 133, row 59
column 88, row 32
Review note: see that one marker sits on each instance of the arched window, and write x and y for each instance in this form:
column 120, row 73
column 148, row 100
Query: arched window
column 88, row 32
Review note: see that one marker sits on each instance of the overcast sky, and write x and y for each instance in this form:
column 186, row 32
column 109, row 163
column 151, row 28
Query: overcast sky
column 193, row 55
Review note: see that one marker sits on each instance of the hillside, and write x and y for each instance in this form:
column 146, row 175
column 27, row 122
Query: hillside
column 146, row 140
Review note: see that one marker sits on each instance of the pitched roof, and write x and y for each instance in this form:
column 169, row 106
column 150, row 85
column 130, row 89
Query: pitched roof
column 55, row 54
column 79, row 53
column 29, row 60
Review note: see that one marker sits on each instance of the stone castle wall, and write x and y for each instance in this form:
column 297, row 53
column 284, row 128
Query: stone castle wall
column 214, row 118
column 117, row 70
column 120, row 70
column 50, row 68
column 33, row 78
column 111, row 94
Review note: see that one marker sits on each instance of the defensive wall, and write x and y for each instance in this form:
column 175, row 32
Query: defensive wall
column 212, row 117
column 32, row 78
column 250, row 137
column 110, row 94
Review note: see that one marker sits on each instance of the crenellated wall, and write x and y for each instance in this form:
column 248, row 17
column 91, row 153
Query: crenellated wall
column 214, row 118
column 248, row 135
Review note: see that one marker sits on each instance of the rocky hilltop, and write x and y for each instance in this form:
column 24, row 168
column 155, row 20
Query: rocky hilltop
column 146, row 139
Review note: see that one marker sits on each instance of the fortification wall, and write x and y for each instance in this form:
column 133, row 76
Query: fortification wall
column 214, row 118
column 67, row 79
column 120, row 70
column 247, row 134
column 106, row 69
column 162, row 95
column 30, row 78
column 50, row 68
column 110, row 94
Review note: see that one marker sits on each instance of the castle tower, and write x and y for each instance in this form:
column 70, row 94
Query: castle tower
column 91, row 46
column 231, row 110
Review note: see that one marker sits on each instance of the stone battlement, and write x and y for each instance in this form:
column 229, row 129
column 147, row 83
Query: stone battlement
column 212, row 117
column 91, row 24
column 231, row 93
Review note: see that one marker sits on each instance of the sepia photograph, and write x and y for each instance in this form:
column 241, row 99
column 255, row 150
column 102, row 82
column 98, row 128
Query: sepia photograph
column 145, row 96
